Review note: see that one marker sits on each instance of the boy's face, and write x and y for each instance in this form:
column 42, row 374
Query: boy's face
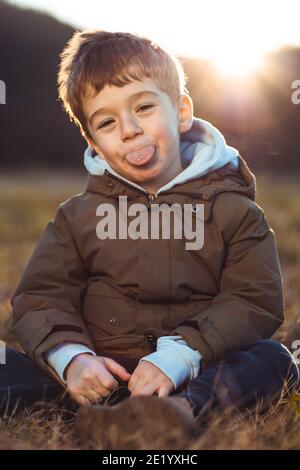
column 138, row 131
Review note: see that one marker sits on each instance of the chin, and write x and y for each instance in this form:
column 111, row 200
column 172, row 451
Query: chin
column 146, row 178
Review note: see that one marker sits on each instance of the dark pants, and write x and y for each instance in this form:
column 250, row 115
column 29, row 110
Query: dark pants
column 258, row 374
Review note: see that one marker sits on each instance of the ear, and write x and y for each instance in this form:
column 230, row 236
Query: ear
column 185, row 113
column 92, row 144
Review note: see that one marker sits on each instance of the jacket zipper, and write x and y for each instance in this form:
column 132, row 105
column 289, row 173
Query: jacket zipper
column 150, row 196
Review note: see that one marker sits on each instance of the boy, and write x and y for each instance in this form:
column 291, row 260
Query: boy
column 96, row 309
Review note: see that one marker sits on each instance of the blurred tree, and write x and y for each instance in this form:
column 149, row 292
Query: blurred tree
column 256, row 115
column 34, row 129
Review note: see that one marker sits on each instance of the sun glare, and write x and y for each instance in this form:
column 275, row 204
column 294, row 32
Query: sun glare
column 234, row 35
column 237, row 64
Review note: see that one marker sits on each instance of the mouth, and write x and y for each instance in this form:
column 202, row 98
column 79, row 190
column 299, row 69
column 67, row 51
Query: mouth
column 141, row 156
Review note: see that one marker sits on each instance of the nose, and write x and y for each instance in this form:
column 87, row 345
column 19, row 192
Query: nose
column 130, row 128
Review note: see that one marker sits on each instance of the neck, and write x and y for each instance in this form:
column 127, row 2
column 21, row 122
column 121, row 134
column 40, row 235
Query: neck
column 153, row 186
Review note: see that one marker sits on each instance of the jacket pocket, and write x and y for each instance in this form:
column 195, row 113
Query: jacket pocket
column 109, row 316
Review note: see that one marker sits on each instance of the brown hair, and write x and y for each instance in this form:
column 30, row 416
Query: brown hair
column 100, row 58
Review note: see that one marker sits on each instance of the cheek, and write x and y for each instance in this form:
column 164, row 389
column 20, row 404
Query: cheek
column 105, row 147
column 167, row 137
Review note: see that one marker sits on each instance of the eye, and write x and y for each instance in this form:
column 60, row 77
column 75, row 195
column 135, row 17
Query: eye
column 144, row 107
column 105, row 123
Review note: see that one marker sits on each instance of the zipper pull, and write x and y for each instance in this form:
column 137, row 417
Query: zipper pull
column 152, row 197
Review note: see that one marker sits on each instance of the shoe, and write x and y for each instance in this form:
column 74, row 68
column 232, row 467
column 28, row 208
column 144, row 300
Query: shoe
column 140, row 422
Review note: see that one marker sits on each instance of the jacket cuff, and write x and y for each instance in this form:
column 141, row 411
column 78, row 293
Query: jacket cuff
column 60, row 356
column 202, row 340
column 175, row 359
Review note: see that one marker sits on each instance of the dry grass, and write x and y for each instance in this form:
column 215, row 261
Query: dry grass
column 27, row 204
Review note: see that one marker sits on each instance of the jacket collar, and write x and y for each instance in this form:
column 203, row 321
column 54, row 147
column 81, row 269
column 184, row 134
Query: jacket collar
column 210, row 167
column 206, row 187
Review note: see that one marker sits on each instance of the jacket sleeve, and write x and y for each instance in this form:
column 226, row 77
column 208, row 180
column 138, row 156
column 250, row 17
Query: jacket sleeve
column 249, row 305
column 47, row 302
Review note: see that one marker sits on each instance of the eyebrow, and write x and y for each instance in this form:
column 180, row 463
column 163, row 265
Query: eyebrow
column 131, row 98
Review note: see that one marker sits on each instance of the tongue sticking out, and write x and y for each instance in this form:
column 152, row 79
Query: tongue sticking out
column 142, row 156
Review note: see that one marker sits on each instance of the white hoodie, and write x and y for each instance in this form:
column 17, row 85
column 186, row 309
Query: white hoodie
column 203, row 149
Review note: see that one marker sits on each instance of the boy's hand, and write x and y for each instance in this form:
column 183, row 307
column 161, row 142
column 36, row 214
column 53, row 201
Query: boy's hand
column 90, row 377
column 147, row 379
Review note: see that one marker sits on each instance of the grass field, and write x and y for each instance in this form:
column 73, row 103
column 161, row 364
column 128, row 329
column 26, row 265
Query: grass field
column 26, row 205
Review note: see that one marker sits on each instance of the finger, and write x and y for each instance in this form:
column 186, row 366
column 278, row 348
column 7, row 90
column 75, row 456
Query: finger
column 145, row 390
column 132, row 382
column 81, row 400
column 91, row 395
column 117, row 369
column 136, row 378
column 85, row 396
column 100, row 389
column 91, row 390
column 164, row 392
column 104, row 381
column 101, row 381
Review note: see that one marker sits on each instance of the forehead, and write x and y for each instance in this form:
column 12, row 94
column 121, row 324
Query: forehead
column 112, row 96
column 110, row 92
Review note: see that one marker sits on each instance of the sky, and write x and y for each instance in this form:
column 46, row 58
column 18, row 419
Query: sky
column 234, row 34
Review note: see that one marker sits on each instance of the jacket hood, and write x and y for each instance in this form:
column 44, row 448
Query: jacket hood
column 204, row 152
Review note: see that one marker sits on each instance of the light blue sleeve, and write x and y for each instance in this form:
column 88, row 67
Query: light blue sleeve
column 175, row 359
column 60, row 356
